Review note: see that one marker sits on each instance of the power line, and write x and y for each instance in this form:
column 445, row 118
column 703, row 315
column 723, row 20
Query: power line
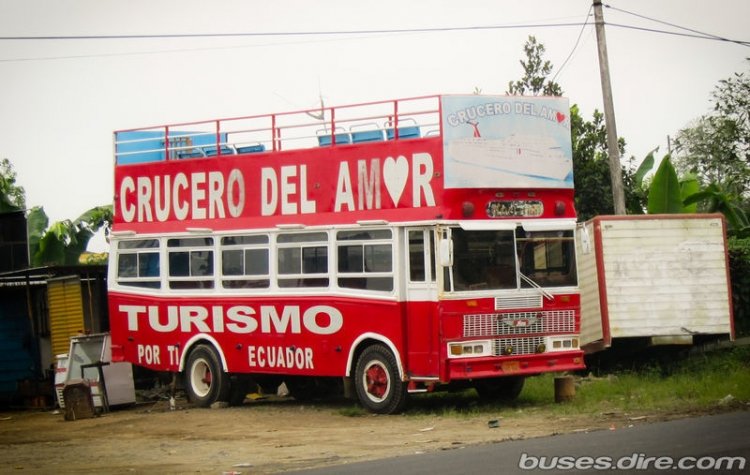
column 363, row 34
column 700, row 34
column 675, row 33
column 283, row 33
column 176, row 50
column 583, row 25
column 697, row 34
column 575, row 46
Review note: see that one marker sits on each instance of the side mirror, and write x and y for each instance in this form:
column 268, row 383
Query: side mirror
column 446, row 252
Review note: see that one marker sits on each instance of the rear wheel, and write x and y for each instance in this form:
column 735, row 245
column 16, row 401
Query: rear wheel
column 505, row 389
column 205, row 380
column 377, row 381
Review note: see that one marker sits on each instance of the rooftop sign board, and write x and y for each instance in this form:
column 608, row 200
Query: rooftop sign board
column 506, row 142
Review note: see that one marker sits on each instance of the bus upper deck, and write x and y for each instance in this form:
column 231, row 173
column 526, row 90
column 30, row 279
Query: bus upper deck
column 393, row 120
column 446, row 157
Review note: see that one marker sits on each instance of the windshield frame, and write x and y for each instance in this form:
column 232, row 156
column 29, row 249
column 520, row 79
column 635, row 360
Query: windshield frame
column 504, row 258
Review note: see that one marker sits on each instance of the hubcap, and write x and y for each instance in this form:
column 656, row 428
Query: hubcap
column 376, row 381
column 200, row 378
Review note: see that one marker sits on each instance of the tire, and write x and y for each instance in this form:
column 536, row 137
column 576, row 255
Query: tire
column 505, row 389
column 377, row 381
column 205, row 380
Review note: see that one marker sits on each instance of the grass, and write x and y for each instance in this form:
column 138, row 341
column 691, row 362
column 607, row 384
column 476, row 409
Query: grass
column 697, row 383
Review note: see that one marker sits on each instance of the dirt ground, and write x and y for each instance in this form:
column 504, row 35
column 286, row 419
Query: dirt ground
column 267, row 436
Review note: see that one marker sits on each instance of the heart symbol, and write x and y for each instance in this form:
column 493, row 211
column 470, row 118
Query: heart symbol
column 560, row 117
column 395, row 173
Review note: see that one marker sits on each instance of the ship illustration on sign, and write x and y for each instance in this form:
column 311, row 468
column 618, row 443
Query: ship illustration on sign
column 524, row 155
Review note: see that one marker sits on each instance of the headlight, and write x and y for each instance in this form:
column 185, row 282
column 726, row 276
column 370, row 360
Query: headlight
column 562, row 343
column 469, row 349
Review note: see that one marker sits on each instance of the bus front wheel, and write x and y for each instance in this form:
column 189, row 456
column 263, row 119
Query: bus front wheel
column 377, row 381
column 205, row 380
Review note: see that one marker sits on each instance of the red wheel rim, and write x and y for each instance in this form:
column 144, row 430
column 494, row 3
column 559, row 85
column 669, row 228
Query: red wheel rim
column 376, row 381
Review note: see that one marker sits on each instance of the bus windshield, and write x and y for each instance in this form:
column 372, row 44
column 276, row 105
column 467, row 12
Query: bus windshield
column 492, row 260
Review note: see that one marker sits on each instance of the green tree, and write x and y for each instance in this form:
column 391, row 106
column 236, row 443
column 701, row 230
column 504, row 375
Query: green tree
column 715, row 151
column 536, row 71
column 591, row 175
column 732, row 101
column 12, row 195
column 716, row 146
column 709, row 148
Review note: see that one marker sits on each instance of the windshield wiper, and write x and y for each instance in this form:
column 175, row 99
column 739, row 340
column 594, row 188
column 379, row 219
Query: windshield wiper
column 533, row 284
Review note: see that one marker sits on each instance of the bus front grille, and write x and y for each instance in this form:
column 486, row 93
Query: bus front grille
column 519, row 323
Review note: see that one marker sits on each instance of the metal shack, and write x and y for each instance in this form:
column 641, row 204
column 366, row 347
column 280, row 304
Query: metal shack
column 653, row 279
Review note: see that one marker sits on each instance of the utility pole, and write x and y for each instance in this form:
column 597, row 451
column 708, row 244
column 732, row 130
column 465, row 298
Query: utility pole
column 615, row 170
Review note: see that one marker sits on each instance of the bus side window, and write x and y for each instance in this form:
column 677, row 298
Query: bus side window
column 138, row 263
column 127, row 265
column 245, row 262
column 191, row 263
column 302, row 260
column 148, row 264
column 365, row 259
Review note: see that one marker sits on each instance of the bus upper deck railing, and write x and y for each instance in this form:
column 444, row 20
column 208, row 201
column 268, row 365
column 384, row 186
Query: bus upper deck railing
column 400, row 119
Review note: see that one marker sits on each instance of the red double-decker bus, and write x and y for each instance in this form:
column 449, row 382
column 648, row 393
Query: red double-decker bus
column 396, row 246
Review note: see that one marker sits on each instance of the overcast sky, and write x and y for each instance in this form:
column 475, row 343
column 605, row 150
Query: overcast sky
column 61, row 99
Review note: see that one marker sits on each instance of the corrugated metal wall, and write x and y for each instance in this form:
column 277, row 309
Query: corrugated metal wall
column 65, row 312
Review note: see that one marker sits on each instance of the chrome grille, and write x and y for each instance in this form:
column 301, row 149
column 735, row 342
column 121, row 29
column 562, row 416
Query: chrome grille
column 519, row 323
column 521, row 346
column 507, row 303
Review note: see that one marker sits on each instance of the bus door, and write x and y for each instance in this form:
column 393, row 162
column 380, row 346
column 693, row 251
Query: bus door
column 421, row 302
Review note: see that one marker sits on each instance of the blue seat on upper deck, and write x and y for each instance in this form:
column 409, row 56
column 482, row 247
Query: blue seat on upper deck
column 407, row 129
column 324, row 137
column 212, row 151
column 194, row 153
column 410, row 132
column 368, row 133
column 254, row 148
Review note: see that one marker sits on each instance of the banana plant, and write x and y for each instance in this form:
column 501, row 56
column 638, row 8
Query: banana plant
column 689, row 186
column 63, row 242
column 664, row 195
column 668, row 194
column 646, row 165
column 716, row 200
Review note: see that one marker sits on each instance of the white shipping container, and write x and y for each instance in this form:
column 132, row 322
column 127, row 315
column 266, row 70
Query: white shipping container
column 660, row 277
